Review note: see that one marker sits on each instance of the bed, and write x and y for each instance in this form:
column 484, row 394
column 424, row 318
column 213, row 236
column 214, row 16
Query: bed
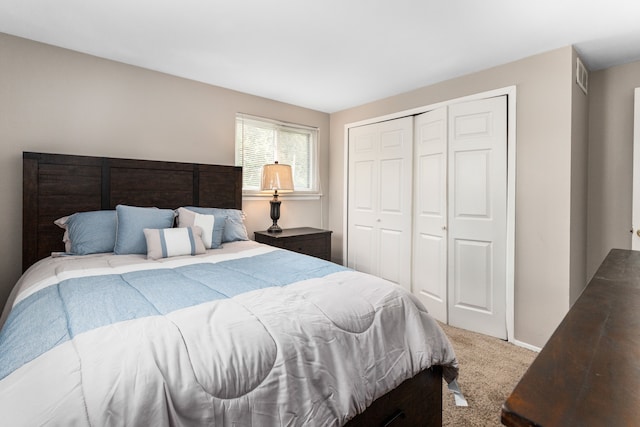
column 239, row 333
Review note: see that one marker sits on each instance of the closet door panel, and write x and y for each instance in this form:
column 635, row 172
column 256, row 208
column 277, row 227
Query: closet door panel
column 395, row 156
column 379, row 199
column 363, row 172
column 392, row 222
column 363, row 257
column 472, row 280
column 429, row 274
column 430, row 191
column 391, row 197
column 363, row 176
column 429, row 271
column 472, row 192
column 391, row 244
column 477, row 215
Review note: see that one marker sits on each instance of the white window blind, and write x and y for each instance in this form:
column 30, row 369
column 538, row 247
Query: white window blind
column 262, row 141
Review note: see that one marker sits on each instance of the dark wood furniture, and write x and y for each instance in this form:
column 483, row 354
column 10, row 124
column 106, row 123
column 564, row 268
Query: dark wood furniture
column 305, row 240
column 588, row 373
column 56, row 185
column 414, row 403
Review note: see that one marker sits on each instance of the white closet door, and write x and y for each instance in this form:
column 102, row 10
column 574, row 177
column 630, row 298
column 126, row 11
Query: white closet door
column 477, row 215
column 430, row 212
column 379, row 200
column 635, row 204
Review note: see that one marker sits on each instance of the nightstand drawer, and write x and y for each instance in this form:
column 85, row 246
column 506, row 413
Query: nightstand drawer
column 309, row 241
column 315, row 246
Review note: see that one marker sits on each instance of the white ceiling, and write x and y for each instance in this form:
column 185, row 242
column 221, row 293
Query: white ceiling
column 328, row 55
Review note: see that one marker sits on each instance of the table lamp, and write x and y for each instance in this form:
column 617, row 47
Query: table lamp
column 276, row 177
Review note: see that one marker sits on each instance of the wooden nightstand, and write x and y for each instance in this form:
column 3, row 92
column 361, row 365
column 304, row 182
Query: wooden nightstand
column 305, row 240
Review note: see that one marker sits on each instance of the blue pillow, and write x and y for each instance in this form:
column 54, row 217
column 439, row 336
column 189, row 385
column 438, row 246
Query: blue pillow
column 89, row 232
column 234, row 228
column 132, row 221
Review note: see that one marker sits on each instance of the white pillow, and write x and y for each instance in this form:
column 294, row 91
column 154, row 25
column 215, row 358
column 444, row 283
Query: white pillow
column 234, row 228
column 168, row 242
column 212, row 228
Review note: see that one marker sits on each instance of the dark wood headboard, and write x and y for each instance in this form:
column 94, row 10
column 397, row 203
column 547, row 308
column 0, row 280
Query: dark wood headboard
column 55, row 185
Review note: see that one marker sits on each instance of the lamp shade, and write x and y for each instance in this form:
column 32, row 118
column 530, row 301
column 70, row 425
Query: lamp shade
column 277, row 177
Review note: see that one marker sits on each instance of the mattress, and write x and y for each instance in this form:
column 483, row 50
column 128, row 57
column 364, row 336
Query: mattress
column 243, row 335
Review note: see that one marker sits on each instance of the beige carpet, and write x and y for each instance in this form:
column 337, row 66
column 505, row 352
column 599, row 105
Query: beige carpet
column 489, row 370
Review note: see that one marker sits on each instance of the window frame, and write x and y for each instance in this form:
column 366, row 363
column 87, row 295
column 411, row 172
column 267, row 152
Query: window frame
column 275, row 124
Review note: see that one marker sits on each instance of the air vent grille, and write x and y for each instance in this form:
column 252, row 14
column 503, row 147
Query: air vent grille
column 582, row 76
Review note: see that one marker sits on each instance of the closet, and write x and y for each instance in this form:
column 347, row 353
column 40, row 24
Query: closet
column 427, row 209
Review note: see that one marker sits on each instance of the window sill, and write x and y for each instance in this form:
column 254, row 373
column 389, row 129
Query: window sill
column 285, row 196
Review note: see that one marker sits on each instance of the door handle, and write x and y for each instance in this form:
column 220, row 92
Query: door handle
column 398, row 415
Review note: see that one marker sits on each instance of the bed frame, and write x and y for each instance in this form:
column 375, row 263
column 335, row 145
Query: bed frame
column 55, row 185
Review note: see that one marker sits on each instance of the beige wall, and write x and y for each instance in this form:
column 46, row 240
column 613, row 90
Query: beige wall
column 58, row 101
column 543, row 189
column 579, row 161
column 610, row 161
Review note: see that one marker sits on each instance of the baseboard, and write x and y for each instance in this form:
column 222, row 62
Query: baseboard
column 527, row 346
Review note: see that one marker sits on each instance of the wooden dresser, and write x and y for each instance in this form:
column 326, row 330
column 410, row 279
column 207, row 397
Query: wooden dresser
column 588, row 373
column 306, row 240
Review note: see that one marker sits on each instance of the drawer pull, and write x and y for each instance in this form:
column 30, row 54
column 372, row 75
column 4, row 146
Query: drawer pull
column 396, row 416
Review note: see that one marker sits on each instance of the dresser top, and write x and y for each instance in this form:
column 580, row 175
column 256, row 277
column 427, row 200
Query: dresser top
column 588, row 372
column 290, row 232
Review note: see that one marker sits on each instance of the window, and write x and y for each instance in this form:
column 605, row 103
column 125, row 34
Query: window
column 261, row 141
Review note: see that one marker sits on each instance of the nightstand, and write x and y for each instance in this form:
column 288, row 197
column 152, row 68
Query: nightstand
column 305, row 240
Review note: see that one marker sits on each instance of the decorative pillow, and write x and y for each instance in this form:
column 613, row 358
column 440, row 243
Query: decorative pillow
column 234, row 228
column 132, row 221
column 89, row 232
column 62, row 223
column 212, row 226
column 168, row 242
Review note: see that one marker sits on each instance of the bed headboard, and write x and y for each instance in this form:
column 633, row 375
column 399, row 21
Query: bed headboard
column 55, row 185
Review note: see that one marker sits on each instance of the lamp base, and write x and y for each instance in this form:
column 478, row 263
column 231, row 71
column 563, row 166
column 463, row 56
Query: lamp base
column 275, row 215
column 275, row 228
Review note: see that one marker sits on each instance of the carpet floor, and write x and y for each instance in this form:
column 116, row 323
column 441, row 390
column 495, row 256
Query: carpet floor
column 489, row 370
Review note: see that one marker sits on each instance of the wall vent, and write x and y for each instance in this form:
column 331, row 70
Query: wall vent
column 582, row 76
